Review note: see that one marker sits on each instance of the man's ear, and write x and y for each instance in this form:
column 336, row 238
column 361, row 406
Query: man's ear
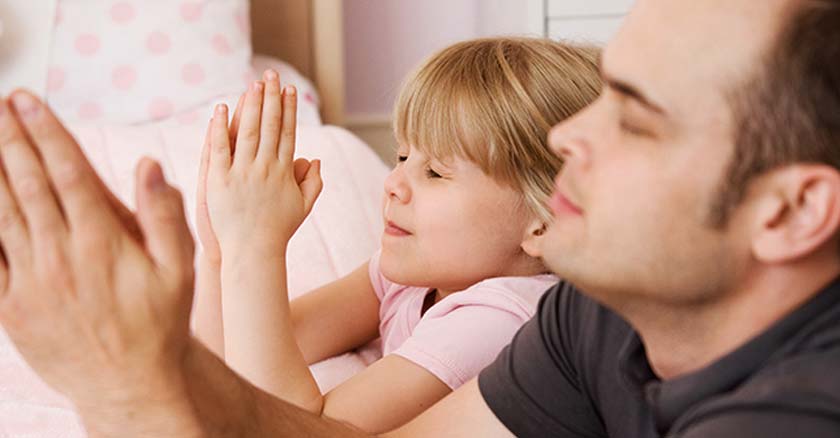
column 534, row 234
column 798, row 213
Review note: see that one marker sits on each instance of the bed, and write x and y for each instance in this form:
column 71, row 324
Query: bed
column 302, row 39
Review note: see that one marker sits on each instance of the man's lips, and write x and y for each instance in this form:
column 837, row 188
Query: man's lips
column 392, row 229
column 561, row 205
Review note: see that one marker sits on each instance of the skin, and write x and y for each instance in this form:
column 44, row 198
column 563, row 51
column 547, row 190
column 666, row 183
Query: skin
column 646, row 247
column 641, row 211
column 253, row 196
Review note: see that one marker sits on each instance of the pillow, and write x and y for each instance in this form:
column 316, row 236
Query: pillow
column 133, row 61
column 24, row 44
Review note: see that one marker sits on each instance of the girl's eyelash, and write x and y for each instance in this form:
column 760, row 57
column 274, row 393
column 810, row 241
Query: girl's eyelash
column 631, row 129
column 401, row 158
column 431, row 173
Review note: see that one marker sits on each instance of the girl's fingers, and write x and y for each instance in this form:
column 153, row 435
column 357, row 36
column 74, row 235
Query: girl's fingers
column 288, row 125
column 311, row 185
column 301, row 166
column 248, row 136
column 271, row 118
column 234, row 122
column 220, row 154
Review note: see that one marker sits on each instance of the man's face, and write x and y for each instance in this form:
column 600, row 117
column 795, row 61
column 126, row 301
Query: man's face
column 644, row 163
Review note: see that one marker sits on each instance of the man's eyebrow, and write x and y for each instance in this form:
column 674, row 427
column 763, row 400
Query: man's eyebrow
column 628, row 90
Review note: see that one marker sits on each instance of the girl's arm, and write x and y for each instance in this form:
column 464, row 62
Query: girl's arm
column 257, row 197
column 207, row 306
column 386, row 395
column 337, row 317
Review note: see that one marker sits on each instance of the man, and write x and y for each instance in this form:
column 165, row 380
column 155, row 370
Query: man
column 698, row 209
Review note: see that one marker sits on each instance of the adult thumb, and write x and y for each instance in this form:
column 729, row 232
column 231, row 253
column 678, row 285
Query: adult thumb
column 160, row 214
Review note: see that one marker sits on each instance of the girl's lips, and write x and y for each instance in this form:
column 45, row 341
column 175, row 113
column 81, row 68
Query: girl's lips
column 561, row 205
column 393, row 230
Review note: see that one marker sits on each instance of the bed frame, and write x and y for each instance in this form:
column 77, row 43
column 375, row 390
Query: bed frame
column 309, row 35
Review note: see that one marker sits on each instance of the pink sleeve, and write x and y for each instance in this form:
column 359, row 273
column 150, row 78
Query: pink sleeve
column 379, row 282
column 457, row 345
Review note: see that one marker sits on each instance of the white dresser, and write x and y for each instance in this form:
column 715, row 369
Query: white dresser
column 579, row 20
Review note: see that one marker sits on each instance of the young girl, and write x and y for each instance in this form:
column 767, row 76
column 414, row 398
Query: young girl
column 459, row 268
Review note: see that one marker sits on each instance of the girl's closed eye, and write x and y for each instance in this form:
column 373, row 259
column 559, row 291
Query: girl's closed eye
column 402, row 158
column 430, row 173
column 632, row 128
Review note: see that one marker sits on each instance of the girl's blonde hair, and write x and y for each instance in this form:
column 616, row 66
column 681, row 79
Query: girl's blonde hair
column 492, row 101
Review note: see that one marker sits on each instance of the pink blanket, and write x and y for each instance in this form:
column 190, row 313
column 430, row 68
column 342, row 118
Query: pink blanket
column 340, row 234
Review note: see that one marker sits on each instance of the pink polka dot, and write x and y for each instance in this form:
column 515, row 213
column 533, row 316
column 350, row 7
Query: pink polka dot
column 55, row 79
column 90, row 111
column 160, row 108
column 309, row 97
column 87, row 44
column 122, row 12
column 192, row 74
column 158, row 43
column 123, row 77
column 220, row 44
column 190, row 11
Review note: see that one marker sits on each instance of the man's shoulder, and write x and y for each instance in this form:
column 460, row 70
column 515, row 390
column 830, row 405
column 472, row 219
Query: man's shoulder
column 797, row 392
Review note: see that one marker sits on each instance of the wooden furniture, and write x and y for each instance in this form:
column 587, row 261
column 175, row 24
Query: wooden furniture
column 309, row 35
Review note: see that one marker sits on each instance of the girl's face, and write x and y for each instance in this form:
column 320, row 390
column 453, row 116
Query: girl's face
column 448, row 225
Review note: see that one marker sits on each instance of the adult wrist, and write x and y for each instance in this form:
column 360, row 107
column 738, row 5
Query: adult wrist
column 155, row 404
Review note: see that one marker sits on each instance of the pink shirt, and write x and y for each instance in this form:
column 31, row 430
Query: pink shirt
column 462, row 333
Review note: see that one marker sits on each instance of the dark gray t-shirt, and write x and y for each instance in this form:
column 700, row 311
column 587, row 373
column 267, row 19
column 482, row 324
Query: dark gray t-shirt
column 578, row 370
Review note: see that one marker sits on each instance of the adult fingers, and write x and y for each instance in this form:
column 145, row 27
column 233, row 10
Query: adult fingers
column 27, row 178
column 271, row 118
column 79, row 190
column 160, row 213
column 14, row 237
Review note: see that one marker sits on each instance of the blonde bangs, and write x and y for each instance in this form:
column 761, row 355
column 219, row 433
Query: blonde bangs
column 436, row 113
column 492, row 102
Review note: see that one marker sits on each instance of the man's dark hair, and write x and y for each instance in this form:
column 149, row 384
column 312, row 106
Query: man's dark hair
column 789, row 111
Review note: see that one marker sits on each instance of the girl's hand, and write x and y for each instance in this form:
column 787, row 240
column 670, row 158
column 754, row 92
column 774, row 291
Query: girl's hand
column 209, row 244
column 256, row 194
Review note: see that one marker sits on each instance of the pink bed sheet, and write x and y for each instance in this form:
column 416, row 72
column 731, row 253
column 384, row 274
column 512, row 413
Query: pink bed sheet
column 340, row 234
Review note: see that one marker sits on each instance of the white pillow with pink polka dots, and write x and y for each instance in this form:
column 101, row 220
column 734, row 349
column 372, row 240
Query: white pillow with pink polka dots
column 132, row 61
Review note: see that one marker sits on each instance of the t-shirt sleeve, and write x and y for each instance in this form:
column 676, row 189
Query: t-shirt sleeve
column 533, row 387
column 456, row 345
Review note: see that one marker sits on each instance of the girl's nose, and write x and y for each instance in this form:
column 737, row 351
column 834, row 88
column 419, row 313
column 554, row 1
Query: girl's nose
column 396, row 186
column 567, row 141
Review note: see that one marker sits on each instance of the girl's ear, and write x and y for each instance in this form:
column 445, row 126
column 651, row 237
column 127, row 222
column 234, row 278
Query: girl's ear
column 534, row 234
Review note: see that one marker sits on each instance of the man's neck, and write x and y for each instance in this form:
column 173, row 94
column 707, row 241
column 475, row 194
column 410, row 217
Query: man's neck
column 682, row 339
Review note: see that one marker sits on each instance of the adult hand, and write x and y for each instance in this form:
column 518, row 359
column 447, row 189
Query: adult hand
column 98, row 311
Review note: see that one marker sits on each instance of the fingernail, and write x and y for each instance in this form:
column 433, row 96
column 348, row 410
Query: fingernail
column 25, row 105
column 290, row 90
column 220, row 109
column 257, row 86
column 155, row 181
column 270, row 75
